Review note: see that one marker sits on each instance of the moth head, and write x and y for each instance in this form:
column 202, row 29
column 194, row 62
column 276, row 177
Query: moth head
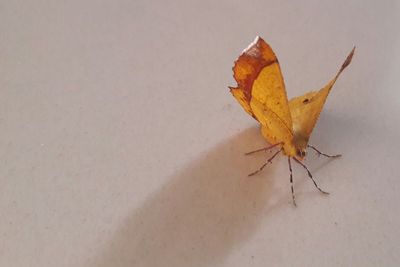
column 300, row 153
column 300, row 143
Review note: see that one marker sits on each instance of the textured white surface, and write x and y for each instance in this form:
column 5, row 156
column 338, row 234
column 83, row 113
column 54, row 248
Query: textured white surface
column 122, row 146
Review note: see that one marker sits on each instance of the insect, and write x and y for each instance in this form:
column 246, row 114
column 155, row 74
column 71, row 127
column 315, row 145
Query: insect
column 286, row 125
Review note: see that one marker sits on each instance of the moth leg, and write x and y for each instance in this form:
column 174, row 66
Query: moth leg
column 291, row 180
column 309, row 175
column 262, row 149
column 323, row 154
column 266, row 163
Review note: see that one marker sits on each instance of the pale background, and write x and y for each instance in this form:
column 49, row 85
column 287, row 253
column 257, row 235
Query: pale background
column 122, row 146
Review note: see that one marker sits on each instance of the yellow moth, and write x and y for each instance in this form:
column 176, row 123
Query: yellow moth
column 286, row 125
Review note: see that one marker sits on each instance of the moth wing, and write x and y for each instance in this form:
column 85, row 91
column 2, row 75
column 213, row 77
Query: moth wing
column 261, row 90
column 305, row 109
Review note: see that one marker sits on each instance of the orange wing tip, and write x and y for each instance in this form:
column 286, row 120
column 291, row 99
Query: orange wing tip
column 248, row 65
column 259, row 49
column 348, row 59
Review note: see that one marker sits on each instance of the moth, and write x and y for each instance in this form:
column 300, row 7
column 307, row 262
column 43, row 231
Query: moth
column 285, row 124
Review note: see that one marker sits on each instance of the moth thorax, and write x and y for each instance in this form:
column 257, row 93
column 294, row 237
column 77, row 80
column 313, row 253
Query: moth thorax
column 289, row 149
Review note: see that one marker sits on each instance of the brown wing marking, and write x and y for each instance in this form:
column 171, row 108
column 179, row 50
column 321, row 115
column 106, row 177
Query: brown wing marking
column 247, row 68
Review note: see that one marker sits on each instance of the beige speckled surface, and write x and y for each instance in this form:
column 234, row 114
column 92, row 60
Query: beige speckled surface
column 122, row 146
